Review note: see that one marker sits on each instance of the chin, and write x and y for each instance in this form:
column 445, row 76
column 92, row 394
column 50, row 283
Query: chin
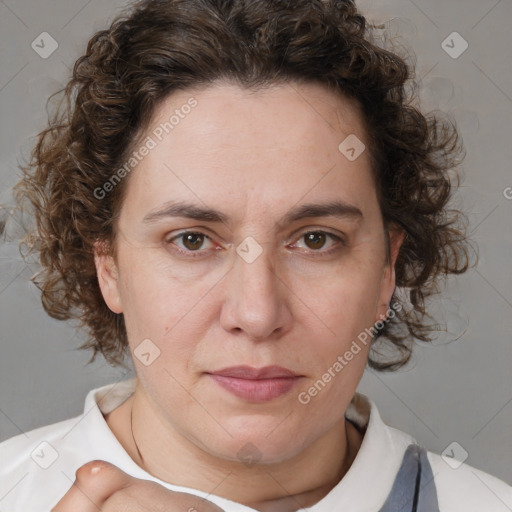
column 257, row 445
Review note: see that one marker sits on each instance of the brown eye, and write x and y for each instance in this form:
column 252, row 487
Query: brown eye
column 189, row 243
column 193, row 241
column 315, row 239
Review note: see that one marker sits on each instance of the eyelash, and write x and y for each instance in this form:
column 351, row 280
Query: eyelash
column 198, row 254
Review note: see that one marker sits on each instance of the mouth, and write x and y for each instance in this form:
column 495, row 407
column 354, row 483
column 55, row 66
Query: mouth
column 256, row 384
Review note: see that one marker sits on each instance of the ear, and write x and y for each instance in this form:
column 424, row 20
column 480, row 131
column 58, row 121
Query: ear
column 107, row 273
column 396, row 238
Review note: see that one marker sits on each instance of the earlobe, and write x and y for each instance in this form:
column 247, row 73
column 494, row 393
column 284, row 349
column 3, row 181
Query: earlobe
column 107, row 273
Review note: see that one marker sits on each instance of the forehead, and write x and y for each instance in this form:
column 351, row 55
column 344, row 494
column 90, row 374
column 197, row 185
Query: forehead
column 307, row 111
column 275, row 145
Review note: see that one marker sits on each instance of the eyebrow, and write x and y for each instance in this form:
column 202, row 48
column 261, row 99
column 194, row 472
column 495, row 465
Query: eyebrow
column 336, row 208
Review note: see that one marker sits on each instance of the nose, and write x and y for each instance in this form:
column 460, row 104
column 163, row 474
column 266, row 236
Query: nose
column 256, row 299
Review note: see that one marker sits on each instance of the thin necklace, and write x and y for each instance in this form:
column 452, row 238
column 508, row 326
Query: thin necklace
column 133, row 437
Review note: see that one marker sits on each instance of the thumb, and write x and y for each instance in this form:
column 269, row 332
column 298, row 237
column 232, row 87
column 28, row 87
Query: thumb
column 101, row 479
column 95, row 482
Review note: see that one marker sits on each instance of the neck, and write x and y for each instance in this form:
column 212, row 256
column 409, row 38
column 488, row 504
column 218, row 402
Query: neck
column 284, row 486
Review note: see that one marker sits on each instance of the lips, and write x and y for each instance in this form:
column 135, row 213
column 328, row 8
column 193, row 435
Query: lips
column 256, row 384
column 248, row 372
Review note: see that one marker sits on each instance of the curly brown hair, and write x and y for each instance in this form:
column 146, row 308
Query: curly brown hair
column 160, row 46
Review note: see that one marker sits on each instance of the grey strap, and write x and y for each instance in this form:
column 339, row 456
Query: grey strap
column 414, row 489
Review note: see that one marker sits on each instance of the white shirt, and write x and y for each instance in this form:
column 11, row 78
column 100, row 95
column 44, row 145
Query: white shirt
column 38, row 468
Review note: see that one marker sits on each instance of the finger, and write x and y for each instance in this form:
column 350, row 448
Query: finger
column 95, row 482
column 144, row 495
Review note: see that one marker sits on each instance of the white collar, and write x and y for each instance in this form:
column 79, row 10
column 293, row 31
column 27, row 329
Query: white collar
column 364, row 487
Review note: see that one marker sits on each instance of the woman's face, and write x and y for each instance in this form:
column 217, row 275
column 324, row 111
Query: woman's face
column 271, row 283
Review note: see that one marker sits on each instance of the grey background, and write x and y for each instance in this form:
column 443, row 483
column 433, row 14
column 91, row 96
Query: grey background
column 458, row 390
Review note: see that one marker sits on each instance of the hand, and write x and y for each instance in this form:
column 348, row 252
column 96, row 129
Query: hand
column 101, row 486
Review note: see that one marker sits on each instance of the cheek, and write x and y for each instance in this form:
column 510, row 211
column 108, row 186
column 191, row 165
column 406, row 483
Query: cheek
column 341, row 343
column 141, row 305
column 171, row 313
column 347, row 297
column 345, row 306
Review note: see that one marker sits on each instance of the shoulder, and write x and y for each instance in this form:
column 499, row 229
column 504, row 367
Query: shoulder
column 462, row 487
column 40, row 462
column 35, row 447
column 456, row 486
column 38, row 467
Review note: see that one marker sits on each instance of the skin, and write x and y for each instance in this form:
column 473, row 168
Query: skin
column 100, row 485
column 253, row 156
